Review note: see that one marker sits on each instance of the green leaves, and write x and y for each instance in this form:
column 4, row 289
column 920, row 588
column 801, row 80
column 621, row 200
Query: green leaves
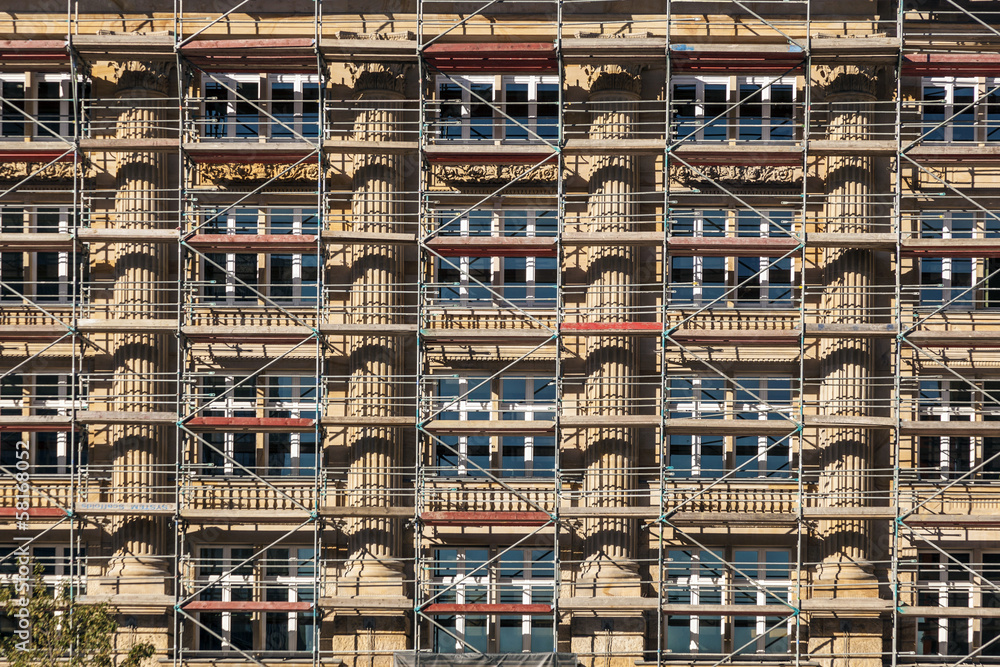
column 64, row 632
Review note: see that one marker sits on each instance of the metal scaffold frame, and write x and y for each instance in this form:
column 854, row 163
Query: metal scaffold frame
column 911, row 509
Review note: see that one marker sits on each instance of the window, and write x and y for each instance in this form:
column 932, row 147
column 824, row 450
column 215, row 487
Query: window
column 41, row 277
column 228, row 453
column 957, row 109
column 949, row 109
column 709, row 108
column 762, row 398
column 702, row 577
column 234, row 107
column 508, row 108
column 520, row 282
column 51, row 452
column 287, row 279
column 760, row 577
column 283, row 396
column 48, row 97
column 743, row 282
column 952, row 456
column 291, row 397
column 696, row 398
column 466, row 575
column 61, row 566
column 288, row 577
column 486, row 282
column 958, row 282
column 232, row 581
column 943, row 582
column 749, row 397
column 508, row 397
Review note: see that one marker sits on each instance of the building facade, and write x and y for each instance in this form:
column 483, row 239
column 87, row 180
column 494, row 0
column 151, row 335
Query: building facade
column 590, row 331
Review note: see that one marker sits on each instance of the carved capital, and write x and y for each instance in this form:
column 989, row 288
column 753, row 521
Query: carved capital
column 848, row 82
column 143, row 75
column 378, row 77
column 609, row 79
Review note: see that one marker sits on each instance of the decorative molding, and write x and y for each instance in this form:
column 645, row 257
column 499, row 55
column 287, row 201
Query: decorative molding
column 143, row 75
column 783, row 177
column 848, row 82
column 494, row 174
column 57, row 171
column 228, row 174
column 401, row 36
column 614, row 79
column 378, row 77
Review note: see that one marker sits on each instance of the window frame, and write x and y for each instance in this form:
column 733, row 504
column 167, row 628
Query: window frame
column 498, row 105
column 264, row 127
column 732, row 121
column 495, row 587
column 232, row 292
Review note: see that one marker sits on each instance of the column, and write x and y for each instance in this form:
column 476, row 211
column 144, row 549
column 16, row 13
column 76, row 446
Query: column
column 848, row 367
column 376, row 365
column 139, row 450
column 609, row 567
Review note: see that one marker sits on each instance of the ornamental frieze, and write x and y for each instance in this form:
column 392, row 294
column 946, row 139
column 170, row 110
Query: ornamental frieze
column 57, row 171
column 228, row 174
column 494, row 174
column 738, row 175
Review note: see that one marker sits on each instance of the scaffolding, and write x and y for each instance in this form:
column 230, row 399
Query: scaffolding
column 548, row 327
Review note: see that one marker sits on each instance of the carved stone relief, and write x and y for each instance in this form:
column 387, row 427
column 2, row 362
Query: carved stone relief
column 739, row 175
column 493, row 174
column 226, row 174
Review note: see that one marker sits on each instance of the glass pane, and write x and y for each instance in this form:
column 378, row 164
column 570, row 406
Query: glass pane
column 751, row 112
column 934, row 112
column 715, row 108
column 517, row 110
column 13, row 121
column 283, row 109
column 246, row 112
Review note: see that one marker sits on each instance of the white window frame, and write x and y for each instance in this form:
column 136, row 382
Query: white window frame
column 228, row 406
column 62, row 127
column 731, row 121
column 527, row 410
column 497, row 102
column 695, row 409
column 979, row 267
column 766, row 387
column 264, row 102
column 294, row 584
column 489, row 580
column 62, row 564
column 297, row 407
column 263, row 284
column 698, row 586
column 766, row 84
column 226, row 583
column 298, row 81
column 944, row 410
column 462, row 406
column 700, row 115
column 950, row 83
column 765, row 590
column 941, row 586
